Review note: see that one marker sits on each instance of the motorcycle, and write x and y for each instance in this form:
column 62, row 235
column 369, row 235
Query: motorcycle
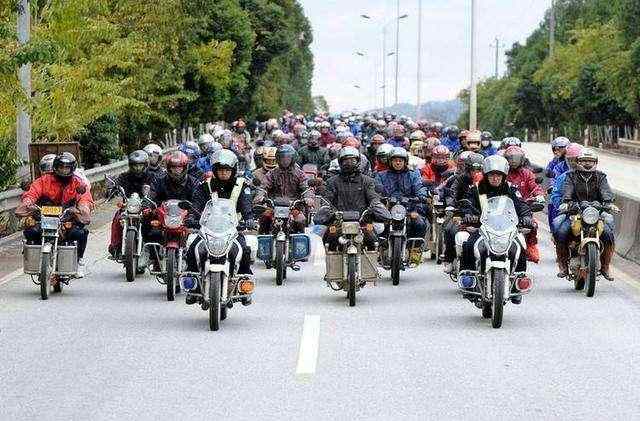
column 134, row 210
column 393, row 250
column 587, row 225
column 495, row 280
column 53, row 262
column 218, row 254
column 351, row 266
column 170, row 218
column 282, row 248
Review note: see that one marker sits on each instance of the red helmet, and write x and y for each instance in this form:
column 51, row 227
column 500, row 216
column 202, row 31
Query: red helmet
column 352, row 141
column 176, row 163
column 440, row 155
column 515, row 156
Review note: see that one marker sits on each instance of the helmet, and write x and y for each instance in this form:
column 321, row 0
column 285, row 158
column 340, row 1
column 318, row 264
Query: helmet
column 314, row 135
column 454, row 131
column 343, row 136
column 285, row 155
column 398, row 152
column 351, row 141
column 177, row 163
column 64, row 165
column 463, row 157
column 46, row 163
column 560, row 142
column 269, row 158
column 377, row 139
column 226, row 159
column 429, row 145
column 225, row 138
column 471, row 141
column 155, row 153
column 416, row 135
column 588, row 160
column 463, row 135
column 495, row 163
column 486, row 136
column 325, row 125
column 510, row 141
column 383, row 152
column 272, row 124
column 515, row 156
column 440, row 156
column 204, row 142
column 351, row 154
column 138, row 162
column 573, row 150
column 416, row 147
column 398, row 130
column 190, row 149
column 474, row 162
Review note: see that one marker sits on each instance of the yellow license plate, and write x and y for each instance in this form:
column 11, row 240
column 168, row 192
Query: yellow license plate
column 51, row 210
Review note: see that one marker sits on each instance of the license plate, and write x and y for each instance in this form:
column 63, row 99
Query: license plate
column 51, row 210
column 50, row 223
column 281, row 211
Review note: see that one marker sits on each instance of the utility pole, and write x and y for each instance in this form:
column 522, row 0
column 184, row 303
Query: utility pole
column 497, row 47
column 473, row 97
column 397, row 47
column 384, row 69
column 24, row 119
column 552, row 28
column 419, row 76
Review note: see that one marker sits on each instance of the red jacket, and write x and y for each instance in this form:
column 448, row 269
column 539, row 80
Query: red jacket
column 327, row 139
column 49, row 189
column 380, row 166
column 431, row 175
column 525, row 181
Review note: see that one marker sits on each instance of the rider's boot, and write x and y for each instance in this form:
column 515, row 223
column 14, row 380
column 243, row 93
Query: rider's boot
column 562, row 257
column 605, row 260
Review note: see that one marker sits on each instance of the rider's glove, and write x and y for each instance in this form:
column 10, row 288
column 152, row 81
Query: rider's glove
column 563, row 207
column 470, row 219
column 614, row 209
column 250, row 224
column 527, row 222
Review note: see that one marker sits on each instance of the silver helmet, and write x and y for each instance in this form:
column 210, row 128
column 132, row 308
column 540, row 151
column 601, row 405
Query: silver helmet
column 495, row 163
column 226, row 158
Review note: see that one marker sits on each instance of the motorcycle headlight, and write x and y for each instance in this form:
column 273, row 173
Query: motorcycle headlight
column 590, row 215
column 217, row 246
column 499, row 244
column 134, row 207
column 398, row 213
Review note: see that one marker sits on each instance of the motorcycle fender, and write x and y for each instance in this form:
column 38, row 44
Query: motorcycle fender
column 490, row 264
column 352, row 249
column 281, row 236
column 585, row 241
column 215, row 268
column 140, row 245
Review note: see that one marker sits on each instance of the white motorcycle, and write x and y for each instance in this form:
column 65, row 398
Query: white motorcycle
column 218, row 254
column 495, row 280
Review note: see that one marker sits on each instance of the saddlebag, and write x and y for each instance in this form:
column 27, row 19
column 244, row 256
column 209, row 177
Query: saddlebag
column 336, row 271
column 67, row 260
column 31, row 258
column 299, row 246
column 265, row 246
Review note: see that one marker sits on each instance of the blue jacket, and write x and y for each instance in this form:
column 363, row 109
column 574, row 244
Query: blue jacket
column 397, row 142
column 204, row 164
column 555, row 198
column 402, row 184
column 453, row 144
column 488, row 151
column 556, row 167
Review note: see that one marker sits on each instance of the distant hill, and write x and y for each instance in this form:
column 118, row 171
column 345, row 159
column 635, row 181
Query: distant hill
column 446, row 112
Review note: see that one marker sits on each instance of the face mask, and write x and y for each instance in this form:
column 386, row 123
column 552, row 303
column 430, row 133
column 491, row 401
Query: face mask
column 486, row 143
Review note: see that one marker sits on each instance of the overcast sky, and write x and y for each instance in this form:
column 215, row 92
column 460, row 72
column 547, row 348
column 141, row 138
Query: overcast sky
column 339, row 32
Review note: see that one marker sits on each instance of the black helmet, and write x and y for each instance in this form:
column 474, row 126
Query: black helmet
column 474, row 162
column 64, row 165
column 138, row 162
column 285, row 155
column 46, row 163
column 454, row 131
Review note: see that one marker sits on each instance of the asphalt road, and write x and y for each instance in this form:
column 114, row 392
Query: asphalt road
column 109, row 350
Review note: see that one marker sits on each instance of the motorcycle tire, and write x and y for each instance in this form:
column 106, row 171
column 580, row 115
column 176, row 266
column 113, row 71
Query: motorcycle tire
column 58, row 286
column 170, row 274
column 396, row 261
column 578, row 284
column 44, row 275
column 593, row 258
column 223, row 312
column 215, row 284
column 497, row 285
column 281, row 263
column 487, row 311
column 439, row 245
column 352, row 269
column 130, row 261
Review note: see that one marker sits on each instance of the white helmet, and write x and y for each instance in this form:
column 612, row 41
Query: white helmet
column 155, row 154
column 495, row 163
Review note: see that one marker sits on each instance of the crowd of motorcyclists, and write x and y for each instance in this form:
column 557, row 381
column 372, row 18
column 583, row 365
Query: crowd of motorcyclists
column 354, row 162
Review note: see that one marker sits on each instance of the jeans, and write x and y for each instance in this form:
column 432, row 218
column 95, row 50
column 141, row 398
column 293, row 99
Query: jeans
column 78, row 234
column 562, row 229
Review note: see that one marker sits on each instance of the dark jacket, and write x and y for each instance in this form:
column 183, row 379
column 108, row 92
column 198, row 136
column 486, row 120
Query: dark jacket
column 483, row 188
column 318, row 156
column 587, row 186
column 132, row 184
column 195, row 172
column 402, row 184
column 290, row 182
column 164, row 189
column 204, row 191
column 354, row 192
column 456, row 188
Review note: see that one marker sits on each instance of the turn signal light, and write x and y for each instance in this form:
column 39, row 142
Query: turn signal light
column 155, row 223
column 524, row 283
column 29, row 222
column 120, row 205
column 369, row 227
column 333, row 229
column 68, row 225
column 246, row 287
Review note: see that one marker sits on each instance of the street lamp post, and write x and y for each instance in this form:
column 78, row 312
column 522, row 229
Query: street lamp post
column 473, row 97
column 24, row 119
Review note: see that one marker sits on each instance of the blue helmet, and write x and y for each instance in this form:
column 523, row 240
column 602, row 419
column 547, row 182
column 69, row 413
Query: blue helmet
column 191, row 149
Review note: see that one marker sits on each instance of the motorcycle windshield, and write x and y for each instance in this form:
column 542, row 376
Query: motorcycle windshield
column 219, row 216
column 499, row 214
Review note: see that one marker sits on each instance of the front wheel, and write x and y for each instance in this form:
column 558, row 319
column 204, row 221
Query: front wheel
column 352, row 271
column 498, row 279
column 215, row 283
column 396, row 261
column 170, row 274
column 281, row 263
column 130, row 261
column 439, row 244
column 44, row 275
column 593, row 257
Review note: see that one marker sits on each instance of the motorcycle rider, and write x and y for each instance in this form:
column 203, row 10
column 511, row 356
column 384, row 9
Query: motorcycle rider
column 61, row 187
column 382, row 157
column 399, row 182
column 399, row 139
column 493, row 184
column 178, row 183
column 285, row 181
column 326, row 137
column 227, row 185
column 209, row 149
column 487, row 146
column 441, row 166
column 415, row 158
column 376, row 140
column 312, row 153
column 558, row 164
column 525, row 181
column 451, row 140
column 268, row 163
column 586, row 183
column 131, row 181
column 427, row 149
column 350, row 191
column 555, row 197
column 155, row 159
column 192, row 151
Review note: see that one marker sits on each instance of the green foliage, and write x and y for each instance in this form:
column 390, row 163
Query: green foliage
column 99, row 141
column 591, row 79
column 320, row 104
